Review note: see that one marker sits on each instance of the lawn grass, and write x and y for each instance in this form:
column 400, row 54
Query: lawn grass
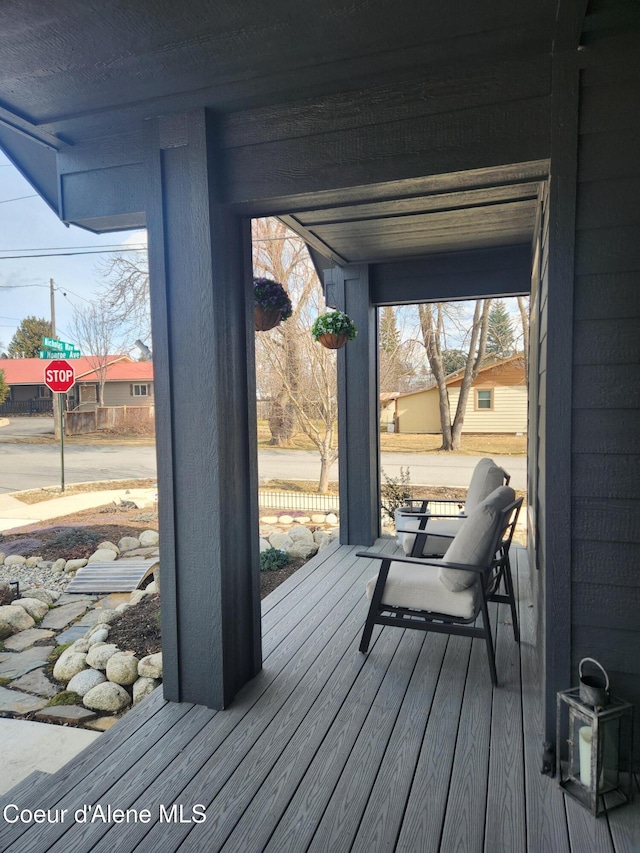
column 472, row 445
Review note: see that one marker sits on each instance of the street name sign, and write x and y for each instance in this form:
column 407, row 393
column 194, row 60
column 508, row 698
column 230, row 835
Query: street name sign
column 59, row 376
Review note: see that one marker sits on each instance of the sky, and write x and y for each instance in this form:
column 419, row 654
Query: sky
column 28, row 226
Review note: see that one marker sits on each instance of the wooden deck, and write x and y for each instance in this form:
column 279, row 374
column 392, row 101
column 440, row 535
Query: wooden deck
column 405, row 749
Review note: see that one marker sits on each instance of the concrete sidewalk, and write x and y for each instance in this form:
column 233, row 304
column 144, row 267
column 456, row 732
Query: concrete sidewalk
column 14, row 513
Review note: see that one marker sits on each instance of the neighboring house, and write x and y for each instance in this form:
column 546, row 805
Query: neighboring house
column 497, row 402
column 128, row 383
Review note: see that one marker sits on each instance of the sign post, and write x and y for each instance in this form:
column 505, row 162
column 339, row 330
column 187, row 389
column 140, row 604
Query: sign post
column 59, row 376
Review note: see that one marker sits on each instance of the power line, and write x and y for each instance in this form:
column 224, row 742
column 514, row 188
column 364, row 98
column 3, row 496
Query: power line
column 18, row 198
column 134, row 246
column 65, row 254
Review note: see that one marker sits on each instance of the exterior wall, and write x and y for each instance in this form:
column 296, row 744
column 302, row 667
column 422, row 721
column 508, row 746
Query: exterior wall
column 509, row 413
column 418, row 412
column 605, row 598
column 119, row 394
column 19, row 393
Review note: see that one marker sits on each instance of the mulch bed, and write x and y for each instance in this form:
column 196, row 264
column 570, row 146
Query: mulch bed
column 138, row 630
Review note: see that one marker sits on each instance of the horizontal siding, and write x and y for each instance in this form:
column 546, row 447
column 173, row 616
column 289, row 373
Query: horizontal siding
column 419, row 413
column 119, row 394
column 509, row 413
column 606, row 387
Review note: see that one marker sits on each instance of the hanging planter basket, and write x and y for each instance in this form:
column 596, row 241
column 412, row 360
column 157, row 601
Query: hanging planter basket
column 331, row 341
column 334, row 329
column 271, row 304
column 266, row 318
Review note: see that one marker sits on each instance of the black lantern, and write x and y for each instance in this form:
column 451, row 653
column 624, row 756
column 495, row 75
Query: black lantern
column 594, row 744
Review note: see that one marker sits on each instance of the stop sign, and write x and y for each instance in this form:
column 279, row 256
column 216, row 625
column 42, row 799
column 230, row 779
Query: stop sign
column 59, row 376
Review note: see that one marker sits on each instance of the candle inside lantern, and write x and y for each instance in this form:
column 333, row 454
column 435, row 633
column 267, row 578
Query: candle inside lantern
column 585, row 755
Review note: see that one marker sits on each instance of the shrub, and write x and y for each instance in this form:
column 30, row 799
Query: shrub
column 273, row 559
column 395, row 492
column 76, row 542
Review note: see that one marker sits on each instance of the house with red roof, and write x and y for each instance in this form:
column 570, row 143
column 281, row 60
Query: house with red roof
column 127, row 383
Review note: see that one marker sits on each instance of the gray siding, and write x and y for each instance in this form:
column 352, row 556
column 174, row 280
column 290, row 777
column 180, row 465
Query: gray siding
column 119, row 394
column 606, row 369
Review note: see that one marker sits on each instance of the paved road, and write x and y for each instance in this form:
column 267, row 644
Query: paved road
column 30, row 466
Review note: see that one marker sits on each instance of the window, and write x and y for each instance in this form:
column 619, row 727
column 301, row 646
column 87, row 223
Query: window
column 484, row 398
column 140, row 390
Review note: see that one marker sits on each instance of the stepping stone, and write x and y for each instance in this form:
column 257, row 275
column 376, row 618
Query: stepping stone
column 102, row 724
column 75, row 632
column 27, row 638
column 15, row 702
column 110, row 602
column 36, row 682
column 60, row 617
column 73, row 714
column 19, row 663
column 65, row 598
column 90, row 618
column 117, row 576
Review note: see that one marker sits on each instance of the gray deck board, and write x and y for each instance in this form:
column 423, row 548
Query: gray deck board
column 407, row 748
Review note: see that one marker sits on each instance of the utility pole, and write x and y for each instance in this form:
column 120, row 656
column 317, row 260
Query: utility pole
column 56, row 397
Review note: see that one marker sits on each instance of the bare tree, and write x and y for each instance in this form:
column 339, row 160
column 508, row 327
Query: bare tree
column 432, row 324
column 523, row 307
column 300, row 373
column 95, row 331
column 125, row 295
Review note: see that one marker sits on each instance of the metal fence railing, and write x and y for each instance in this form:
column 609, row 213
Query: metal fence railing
column 298, row 501
column 27, row 407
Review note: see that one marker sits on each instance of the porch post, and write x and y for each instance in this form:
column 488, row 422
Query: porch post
column 202, row 315
column 358, row 432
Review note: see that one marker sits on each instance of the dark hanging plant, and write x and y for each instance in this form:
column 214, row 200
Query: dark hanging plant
column 271, row 304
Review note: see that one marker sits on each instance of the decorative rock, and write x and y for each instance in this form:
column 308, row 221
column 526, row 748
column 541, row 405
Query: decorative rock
column 318, row 518
column 46, row 595
column 21, row 641
column 59, row 565
column 151, row 588
column 143, row 687
column 149, row 538
column 264, row 545
column 122, row 668
column 109, row 546
column 285, row 519
column 81, row 645
column 13, row 619
column 15, row 560
column 74, row 565
column 322, row 538
column 106, row 617
column 136, row 596
column 107, row 697
column 332, row 518
column 68, row 714
column 45, row 564
column 122, row 607
column 99, row 654
column 302, row 519
column 151, row 666
column 301, row 534
column 69, row 664
column 32, row 562
column 303, row 550
column 282, row 541
column 33, row 606
column 269, row 519
column 128, row 543
column 103, row 555
column 101, row 724
column 85, row 681
column 98, row 636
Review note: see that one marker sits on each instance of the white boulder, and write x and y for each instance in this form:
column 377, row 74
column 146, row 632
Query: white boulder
column 332, row 518
column 74, row 565
column 99, row 654
column 128, row 543
column 282, row 541
column 148, row 538
column 83, row 682
column 122, row 668
column 285, row 519
column 98, row 636
column 264, row 545
column 15, row 560
column 59, row 565
column 143, row 687
column 34, row 607
column 304, row 550
column 69, row 663
column 301, row 534
column 111, row 546
column 107, row 697
column 151, row 666
column 32, row 562
column 103, row 555
column 13, row 619
column 49, row 596
column 318, row 518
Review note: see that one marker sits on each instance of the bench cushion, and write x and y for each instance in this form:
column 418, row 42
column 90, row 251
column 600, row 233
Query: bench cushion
column 419, row 588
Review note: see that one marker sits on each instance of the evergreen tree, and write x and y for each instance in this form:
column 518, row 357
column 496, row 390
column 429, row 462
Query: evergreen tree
column 389, row 334
column 4, row 388
column 453, row 359
column 500, row 336
column 27, row 340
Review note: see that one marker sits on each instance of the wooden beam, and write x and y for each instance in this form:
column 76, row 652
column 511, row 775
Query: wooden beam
column 202, row 310
column 458, row 275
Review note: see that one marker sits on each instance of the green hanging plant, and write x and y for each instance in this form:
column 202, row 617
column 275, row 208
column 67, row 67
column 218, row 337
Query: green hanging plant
column 334, row 329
